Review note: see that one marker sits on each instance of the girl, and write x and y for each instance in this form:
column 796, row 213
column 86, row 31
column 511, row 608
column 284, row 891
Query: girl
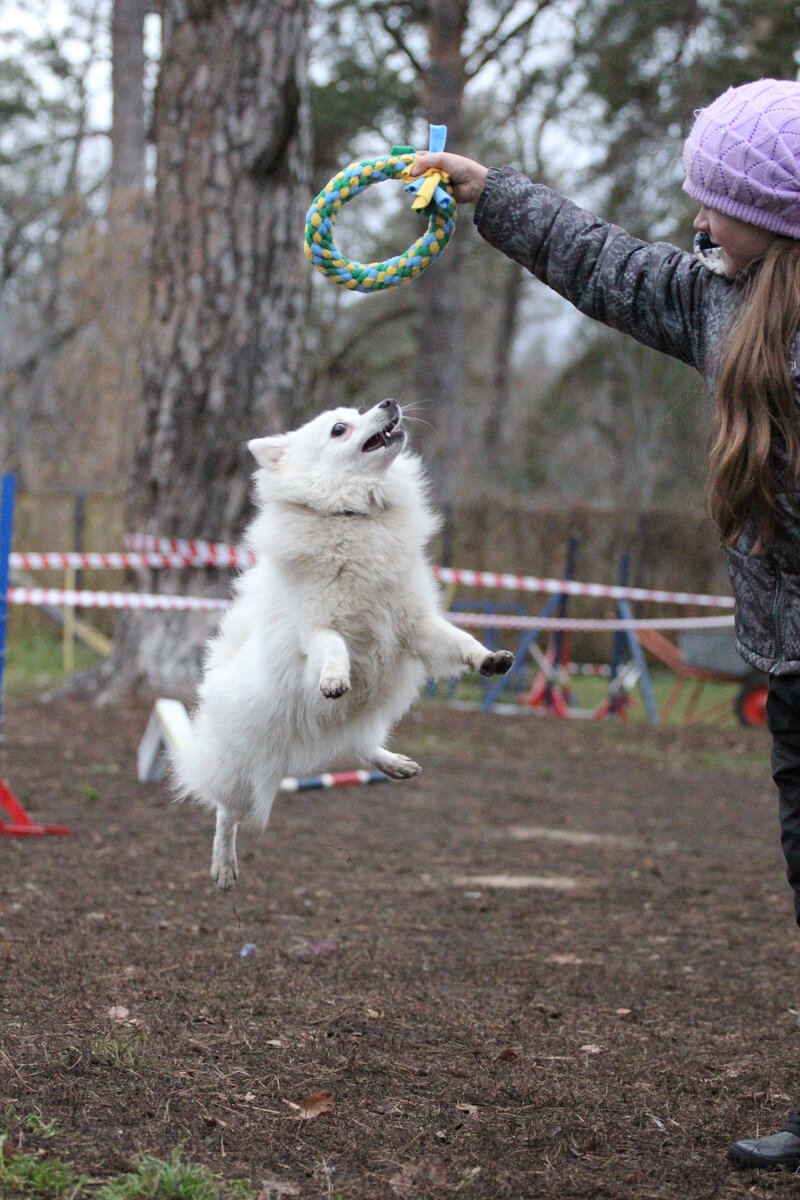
column 732, row 310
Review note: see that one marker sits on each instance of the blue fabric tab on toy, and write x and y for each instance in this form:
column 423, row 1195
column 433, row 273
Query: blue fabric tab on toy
column 437, row 136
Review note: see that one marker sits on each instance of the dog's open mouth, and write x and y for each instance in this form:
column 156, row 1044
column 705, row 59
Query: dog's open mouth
column 385, row 437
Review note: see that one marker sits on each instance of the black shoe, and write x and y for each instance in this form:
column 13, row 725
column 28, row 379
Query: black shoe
column 777, row 1150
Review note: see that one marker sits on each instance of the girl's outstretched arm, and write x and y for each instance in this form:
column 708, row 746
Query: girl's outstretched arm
column 659, row 294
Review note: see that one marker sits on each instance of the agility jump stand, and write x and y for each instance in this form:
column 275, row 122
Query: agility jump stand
column 549, row 689
column 14, row 821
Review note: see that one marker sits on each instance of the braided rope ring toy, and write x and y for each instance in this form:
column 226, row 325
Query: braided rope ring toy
column 433, row 197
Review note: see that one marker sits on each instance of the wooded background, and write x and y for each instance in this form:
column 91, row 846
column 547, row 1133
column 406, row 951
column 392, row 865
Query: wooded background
column 156, row 308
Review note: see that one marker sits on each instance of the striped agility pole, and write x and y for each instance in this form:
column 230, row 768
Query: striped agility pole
column 309, row 783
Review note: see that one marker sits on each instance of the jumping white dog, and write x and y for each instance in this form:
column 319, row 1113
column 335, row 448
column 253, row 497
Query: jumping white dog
column 334, row 628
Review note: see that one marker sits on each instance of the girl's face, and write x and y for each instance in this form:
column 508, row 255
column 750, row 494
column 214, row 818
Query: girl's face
column 739, row 241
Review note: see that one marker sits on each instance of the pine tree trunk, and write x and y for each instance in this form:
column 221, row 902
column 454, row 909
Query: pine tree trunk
column 225, row 354
column 127, row 86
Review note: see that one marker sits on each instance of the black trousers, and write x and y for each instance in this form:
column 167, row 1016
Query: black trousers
column 783, row 721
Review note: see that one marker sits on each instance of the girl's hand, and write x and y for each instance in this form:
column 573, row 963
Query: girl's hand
column 466, row 176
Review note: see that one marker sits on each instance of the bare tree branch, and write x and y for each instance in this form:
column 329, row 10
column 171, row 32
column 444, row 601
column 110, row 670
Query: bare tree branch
column 488, row 37
column 336, row 360
column 492, row 47
column 393, row 31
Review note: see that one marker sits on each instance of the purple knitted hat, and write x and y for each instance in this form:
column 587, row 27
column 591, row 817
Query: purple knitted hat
column 742, row 156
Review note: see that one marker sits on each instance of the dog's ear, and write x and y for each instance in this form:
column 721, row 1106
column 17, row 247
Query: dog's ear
column 269, row 451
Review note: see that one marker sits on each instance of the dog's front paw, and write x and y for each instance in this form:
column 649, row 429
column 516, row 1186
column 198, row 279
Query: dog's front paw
column 333, row 686
column 396, row 766
column 498, row 663
column 224, row 872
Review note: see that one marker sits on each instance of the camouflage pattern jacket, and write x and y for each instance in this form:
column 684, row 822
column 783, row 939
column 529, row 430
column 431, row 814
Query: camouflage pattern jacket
column 665, row 298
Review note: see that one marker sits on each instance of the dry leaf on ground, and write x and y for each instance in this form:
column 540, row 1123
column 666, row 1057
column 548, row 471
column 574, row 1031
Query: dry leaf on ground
column 314, row 1106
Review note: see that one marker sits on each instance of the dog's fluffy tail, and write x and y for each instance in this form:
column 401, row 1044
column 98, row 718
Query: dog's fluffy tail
column 198, row 767
column 187, row 772
column 180, row 740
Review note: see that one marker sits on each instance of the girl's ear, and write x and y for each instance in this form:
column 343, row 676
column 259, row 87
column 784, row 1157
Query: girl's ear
column 269, row 451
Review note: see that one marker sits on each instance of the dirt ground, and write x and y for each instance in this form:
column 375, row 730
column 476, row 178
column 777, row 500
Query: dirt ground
column 602, row 1031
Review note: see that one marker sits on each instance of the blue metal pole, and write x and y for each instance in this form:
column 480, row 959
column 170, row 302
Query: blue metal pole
column 557, row 604
column 6, row 531
column 645, row 684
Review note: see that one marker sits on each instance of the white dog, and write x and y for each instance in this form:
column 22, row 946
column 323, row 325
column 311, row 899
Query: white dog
column 333, row 630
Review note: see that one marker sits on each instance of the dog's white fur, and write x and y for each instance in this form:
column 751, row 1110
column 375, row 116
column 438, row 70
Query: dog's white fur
column 333, row 630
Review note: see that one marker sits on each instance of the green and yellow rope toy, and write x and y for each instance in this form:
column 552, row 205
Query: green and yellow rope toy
column 433, row 197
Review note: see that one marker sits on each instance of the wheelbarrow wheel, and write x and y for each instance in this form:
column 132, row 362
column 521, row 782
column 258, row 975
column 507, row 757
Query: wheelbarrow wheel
column 751, row 701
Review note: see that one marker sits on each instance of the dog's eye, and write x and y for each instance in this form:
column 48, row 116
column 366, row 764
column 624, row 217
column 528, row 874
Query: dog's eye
column 338, row 429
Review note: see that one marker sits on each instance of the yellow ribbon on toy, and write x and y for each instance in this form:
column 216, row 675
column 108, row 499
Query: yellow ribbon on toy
column 430, row 181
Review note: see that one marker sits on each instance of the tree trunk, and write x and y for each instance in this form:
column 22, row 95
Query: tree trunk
column 497, row 423
column 127, row 88
column 230, row 285
column 439, row 367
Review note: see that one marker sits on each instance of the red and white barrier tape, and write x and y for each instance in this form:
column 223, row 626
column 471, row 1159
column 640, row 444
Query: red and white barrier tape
column 110, row 560
column 570, row 587
column 85, row 599
column 149, row 551
column 219, row 552
column 82, row 599
column 504, row 621
column 200, row 553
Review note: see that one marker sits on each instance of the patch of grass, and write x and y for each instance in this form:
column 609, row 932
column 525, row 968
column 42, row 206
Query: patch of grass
column 37, row 1125
column 24, row 1176
column 39, row 1176
column 34, row 663
column 127, row 1051
column 173, row 1179
column 32, row 1123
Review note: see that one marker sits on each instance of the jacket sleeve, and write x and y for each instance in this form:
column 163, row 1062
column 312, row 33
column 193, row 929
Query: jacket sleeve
column 653, row 291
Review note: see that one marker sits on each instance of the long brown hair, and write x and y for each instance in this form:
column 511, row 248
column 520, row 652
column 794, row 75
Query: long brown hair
column 755, row 404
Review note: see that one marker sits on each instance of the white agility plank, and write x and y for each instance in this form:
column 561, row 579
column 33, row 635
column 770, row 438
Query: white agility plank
column 169, row 725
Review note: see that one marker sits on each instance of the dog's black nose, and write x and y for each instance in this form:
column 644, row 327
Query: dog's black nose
column 388, row 404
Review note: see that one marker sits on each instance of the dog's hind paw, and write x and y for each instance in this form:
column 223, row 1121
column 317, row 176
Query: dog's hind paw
column 498, row 663
column 396, row 766
column 333, row 686
column 224, row 874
